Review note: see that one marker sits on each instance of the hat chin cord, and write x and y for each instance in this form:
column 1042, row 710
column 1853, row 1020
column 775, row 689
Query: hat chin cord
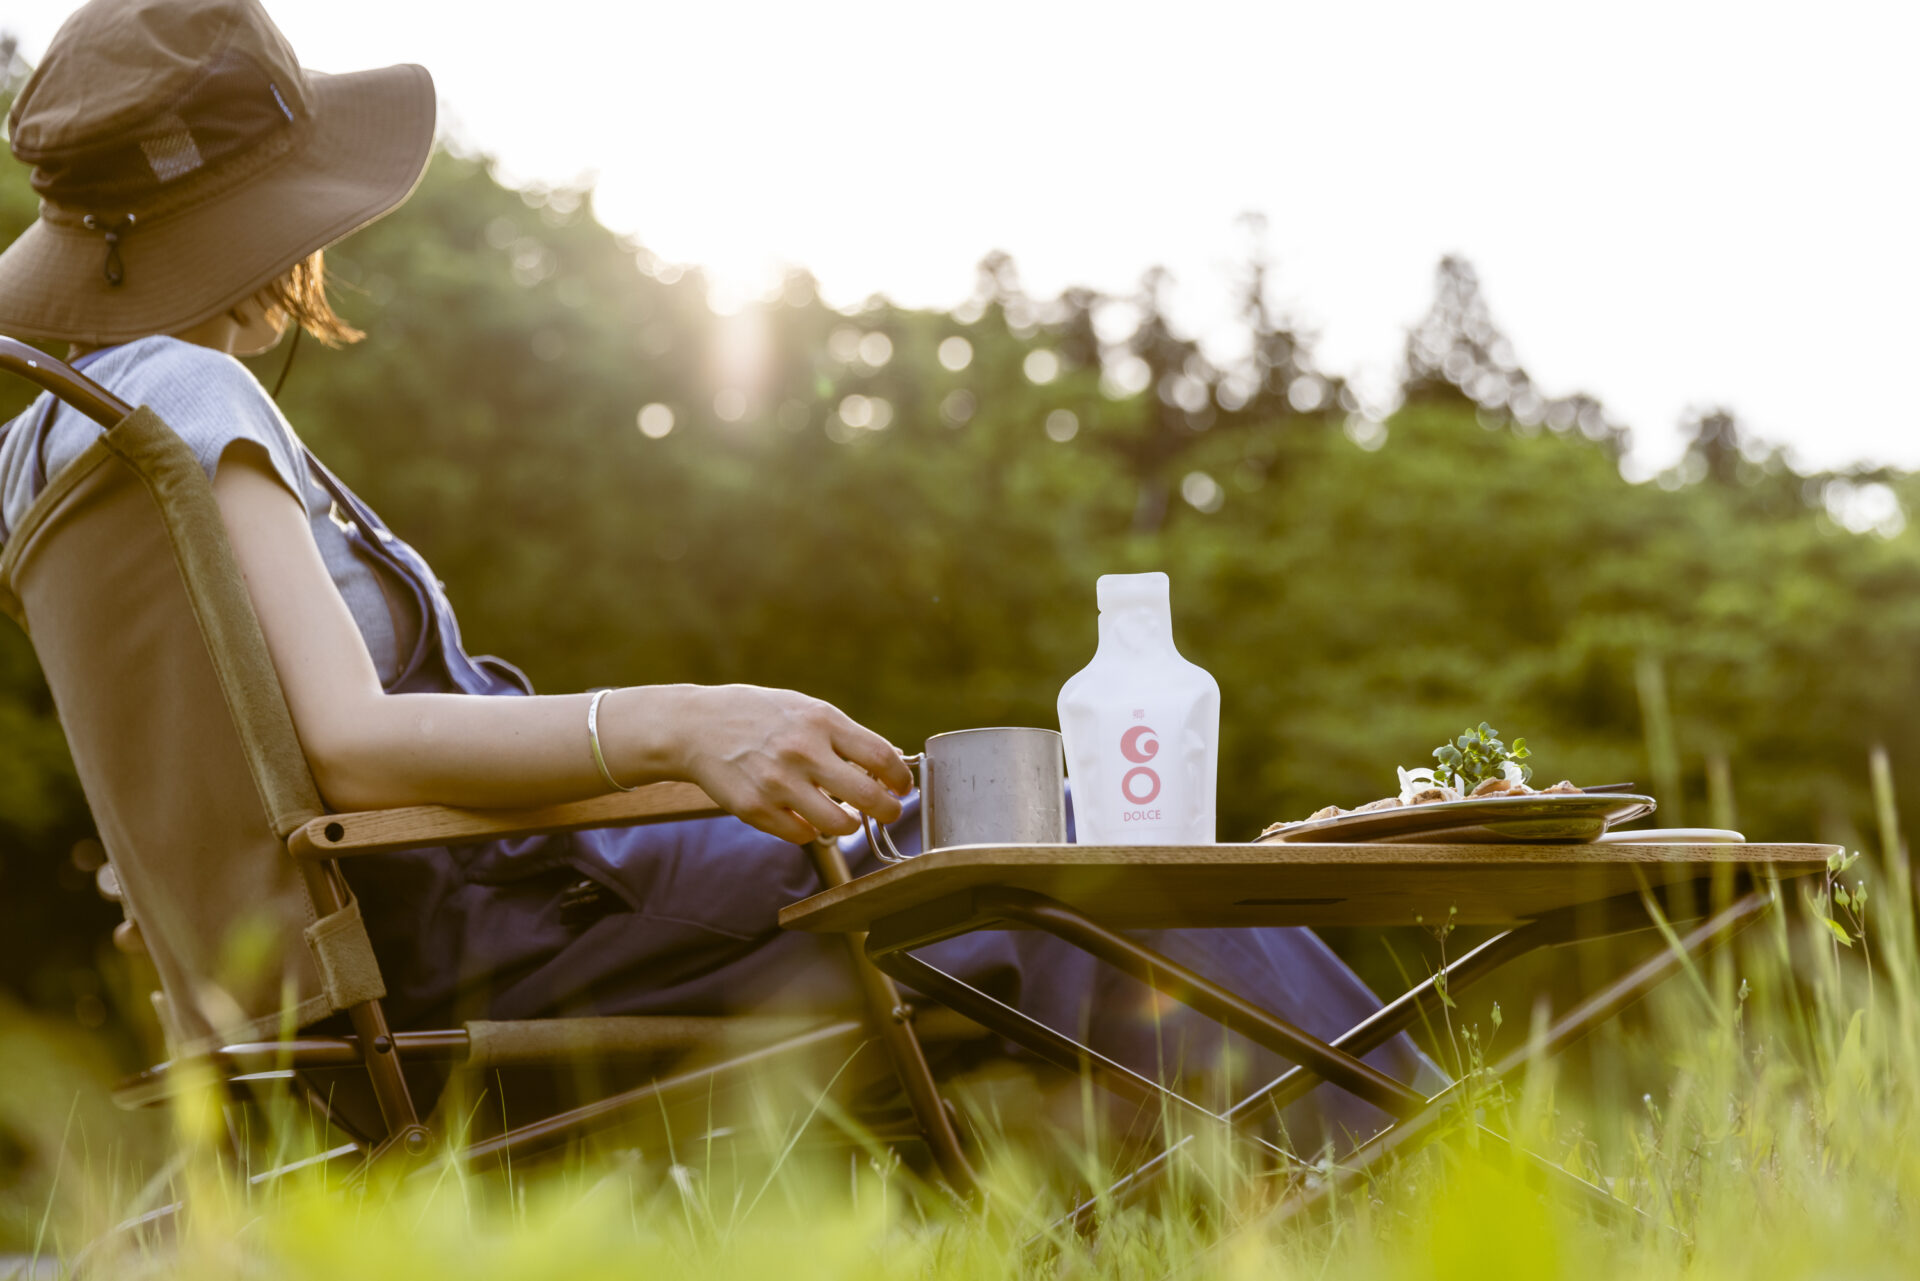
column 287, row 365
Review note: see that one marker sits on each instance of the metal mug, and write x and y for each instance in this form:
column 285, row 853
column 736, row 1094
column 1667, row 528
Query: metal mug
column 1002, row 786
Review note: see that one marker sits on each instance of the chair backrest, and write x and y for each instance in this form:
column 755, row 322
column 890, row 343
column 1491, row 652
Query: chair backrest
column 123, row 578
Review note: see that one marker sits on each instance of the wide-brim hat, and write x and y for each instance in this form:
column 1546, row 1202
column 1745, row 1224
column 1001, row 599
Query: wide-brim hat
column 185, row 160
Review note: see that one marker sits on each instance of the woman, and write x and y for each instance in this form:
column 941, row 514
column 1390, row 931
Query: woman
column 185, row 207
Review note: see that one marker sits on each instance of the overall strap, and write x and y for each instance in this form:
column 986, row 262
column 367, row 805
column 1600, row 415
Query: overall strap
column 439, row 630
column 361, row 520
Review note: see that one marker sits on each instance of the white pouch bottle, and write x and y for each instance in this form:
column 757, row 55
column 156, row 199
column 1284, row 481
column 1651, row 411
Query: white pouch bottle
column 1142, row 726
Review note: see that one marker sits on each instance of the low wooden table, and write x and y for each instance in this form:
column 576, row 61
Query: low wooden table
column 1546, row 894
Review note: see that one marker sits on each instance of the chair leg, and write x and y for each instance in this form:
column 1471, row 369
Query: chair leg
column 405, row 1134
column 893, row 1018
column 328, row 888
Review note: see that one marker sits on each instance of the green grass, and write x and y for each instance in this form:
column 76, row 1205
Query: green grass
column 1759, row 1114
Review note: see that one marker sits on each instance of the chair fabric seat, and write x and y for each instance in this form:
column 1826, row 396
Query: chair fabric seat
column 181, row 737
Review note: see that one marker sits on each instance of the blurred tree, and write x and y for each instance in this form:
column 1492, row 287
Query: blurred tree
column 1457, row 354
column 1714, row 439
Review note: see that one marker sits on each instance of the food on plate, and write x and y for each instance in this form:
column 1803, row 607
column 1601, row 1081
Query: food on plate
column 1476, row 766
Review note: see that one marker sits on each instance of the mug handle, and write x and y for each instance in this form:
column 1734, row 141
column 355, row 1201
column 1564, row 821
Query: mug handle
column 877, row 838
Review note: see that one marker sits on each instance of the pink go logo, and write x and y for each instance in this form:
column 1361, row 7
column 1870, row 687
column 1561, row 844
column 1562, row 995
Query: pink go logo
column 1139, row 745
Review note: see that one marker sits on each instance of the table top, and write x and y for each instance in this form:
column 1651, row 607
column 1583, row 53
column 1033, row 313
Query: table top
column 1170, row 886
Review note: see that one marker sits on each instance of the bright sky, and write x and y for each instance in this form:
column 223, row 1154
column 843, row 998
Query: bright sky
column 1668, row 203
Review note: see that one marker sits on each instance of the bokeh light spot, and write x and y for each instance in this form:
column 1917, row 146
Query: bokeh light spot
column 1184, row 390
column 856, row 411
column 1306, row 393
column 843, row 344
column 957, row 409
column 1368, row 433
column 1062, row 425
column 1865, row 507
column 1234, row 393
column 1041, row 366
column 531, row 262
column 1127, row 376
column 956, row 353
column 1202, row 492
column 656, row 420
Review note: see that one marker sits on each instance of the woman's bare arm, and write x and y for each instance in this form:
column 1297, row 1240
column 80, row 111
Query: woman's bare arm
column 773, row 757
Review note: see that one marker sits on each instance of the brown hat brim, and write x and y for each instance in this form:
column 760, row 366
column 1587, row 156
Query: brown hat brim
column 369, row 141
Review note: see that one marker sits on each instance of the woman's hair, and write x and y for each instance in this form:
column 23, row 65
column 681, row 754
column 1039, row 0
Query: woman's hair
column 301, row 297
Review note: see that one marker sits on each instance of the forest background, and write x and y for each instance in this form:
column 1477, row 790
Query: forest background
column 904, row 512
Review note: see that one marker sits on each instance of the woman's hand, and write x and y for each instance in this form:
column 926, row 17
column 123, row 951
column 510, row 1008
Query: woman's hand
column 781, row 760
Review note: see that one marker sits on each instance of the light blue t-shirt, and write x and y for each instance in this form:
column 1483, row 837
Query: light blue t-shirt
column 210, row 400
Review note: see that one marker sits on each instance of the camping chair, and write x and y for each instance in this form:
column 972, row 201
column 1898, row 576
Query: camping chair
column 216, row 835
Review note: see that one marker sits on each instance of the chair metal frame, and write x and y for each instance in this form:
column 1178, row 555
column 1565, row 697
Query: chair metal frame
column 374, row 1046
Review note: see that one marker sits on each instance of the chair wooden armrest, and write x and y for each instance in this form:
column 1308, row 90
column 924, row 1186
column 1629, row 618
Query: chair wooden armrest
column 383, row 831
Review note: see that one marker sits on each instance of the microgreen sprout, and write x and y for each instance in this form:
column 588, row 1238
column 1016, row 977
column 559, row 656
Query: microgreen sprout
column 1479, row 755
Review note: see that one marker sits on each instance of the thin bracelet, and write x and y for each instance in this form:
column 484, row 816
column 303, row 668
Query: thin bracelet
column 593, row 741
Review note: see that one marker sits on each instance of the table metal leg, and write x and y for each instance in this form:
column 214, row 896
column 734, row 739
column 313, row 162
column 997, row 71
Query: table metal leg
column 1363, row 1038
column 1569, row 925
column 893, row 1021
column 1055, row 1047
column 1339, row 1066
column 1224, row 1007
column 1412, row 1132
column 1335, row 1062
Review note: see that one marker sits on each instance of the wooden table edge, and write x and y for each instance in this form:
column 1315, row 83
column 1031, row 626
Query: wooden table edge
column 1788, row 860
